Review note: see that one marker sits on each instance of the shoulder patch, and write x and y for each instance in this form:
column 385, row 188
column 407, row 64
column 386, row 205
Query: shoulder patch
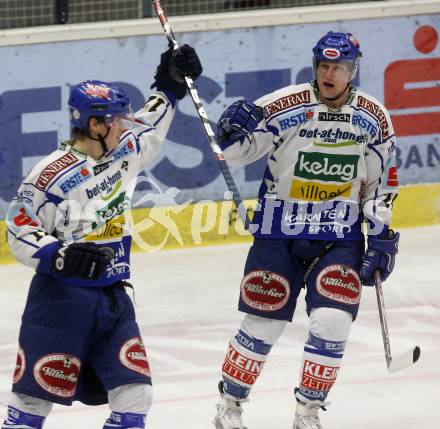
column 286, row 102
column 377, row 112
column 55, row 167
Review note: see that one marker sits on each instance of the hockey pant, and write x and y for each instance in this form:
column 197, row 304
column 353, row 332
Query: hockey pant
column 247, row 352
column 129, row 406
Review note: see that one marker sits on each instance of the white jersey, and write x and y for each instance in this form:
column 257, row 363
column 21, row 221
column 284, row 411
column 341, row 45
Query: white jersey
column 326, row 169
column 71, row 197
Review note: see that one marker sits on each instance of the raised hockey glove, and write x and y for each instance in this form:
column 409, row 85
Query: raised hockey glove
column 83, row 260
column 174, row 65
column 239, row 119
column 380, row 255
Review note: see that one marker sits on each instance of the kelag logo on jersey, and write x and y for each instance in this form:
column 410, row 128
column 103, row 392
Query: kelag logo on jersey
column 114, row 208
column 326, row 167
column 79, row 176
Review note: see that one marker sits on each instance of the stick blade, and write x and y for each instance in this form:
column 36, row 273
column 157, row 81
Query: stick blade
column 405, row 359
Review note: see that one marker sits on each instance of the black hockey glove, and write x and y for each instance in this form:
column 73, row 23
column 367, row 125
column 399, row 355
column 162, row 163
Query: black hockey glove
column 83, row 260
column 174, row 65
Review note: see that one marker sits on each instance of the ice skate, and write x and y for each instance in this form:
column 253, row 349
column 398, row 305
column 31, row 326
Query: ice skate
column 306, row 415
column 228, row 412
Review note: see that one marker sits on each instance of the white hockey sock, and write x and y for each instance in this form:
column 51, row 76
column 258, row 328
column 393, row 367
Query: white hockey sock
column 247, row 353
column 323, row 351
column 131, row 398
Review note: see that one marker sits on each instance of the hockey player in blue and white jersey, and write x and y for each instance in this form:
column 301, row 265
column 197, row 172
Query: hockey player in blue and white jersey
column 79, row 339
column 331, row 168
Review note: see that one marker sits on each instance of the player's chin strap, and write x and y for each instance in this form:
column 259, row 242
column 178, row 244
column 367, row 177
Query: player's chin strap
column 101, row 140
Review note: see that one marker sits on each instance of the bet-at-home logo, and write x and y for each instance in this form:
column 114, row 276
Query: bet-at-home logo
column 326, row 167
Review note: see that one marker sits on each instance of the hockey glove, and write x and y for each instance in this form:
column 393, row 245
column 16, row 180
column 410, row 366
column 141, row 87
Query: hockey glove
column 239, row 119
column 174, row 65
column 83, row 260
column 380, row 255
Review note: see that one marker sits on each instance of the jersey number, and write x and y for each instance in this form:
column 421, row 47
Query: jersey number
column 153, row 103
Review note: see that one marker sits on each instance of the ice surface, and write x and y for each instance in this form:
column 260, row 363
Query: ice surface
column 186, row 307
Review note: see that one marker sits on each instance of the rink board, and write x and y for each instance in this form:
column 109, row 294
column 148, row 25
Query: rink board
column 210, row 223
column 400, row 66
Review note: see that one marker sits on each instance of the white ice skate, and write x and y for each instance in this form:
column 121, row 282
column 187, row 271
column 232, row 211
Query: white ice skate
column 228, row 412
column 306, row 415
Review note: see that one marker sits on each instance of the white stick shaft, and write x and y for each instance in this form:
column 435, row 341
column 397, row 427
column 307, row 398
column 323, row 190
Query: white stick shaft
column 218, row 153
column 383, row 318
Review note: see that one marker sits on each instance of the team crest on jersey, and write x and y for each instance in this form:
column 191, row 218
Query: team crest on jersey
column 58, row 374
column 20, row 366
column 339, row 283
column 265, row 290
column 53, row 169
column 134, row 357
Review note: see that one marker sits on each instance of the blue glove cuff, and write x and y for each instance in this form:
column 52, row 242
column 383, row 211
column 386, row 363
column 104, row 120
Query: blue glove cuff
column 385, row 245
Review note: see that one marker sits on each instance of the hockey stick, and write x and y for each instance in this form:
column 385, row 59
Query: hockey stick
column 218, row 153
column 404, row 359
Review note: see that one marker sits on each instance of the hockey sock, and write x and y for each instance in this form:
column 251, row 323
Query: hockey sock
column 18, row 419
column 323, row 351
column 247, row 352
column 125, row 421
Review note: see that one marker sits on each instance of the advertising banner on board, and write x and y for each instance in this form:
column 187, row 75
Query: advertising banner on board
column 400, row 67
